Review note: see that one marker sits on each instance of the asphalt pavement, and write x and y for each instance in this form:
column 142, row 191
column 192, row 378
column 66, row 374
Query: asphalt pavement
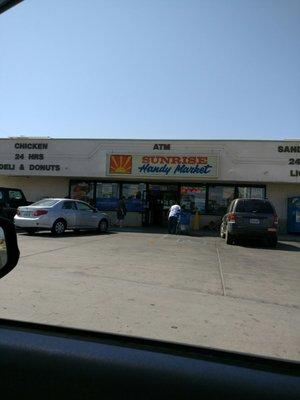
column 189, row 289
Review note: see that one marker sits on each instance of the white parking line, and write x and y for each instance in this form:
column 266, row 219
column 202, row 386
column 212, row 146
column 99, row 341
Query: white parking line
column 221, row 273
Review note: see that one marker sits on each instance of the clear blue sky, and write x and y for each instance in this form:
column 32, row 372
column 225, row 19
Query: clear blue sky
column 151, row 69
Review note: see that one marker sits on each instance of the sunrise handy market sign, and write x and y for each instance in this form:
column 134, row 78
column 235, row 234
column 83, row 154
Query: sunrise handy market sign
column 168, row 166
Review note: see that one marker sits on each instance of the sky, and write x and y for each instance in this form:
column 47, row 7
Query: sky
column 151, row 69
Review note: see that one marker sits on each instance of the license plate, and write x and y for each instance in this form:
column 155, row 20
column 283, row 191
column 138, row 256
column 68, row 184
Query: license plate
column 26, row 213
column 254, row 221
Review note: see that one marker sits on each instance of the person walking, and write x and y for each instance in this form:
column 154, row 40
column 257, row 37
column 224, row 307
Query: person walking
column 121, row 212
column 174, row 214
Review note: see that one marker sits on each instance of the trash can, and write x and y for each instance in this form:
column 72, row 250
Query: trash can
column 293, row 215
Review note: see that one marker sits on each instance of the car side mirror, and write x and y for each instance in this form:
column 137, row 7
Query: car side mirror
column 9, row 251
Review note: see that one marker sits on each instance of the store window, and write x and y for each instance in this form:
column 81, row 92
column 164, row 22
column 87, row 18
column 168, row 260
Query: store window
column 82, row 190
column 107, row 196
column 193, row 198
column 133, row 193
column 251, row 192
column 219, row 198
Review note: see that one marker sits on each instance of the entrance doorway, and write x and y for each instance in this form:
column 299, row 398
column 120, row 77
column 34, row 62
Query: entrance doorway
column 160, row 197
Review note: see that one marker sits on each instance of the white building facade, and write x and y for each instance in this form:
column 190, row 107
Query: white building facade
column 203, row 175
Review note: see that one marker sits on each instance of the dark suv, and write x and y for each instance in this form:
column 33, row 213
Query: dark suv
column 10, row 200
column 250, row 218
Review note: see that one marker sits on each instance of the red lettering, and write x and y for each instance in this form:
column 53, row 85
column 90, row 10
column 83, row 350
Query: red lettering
column 175, row 160
column 201, row 160
column 184, row 160
column 191, row 160
column 164, row 160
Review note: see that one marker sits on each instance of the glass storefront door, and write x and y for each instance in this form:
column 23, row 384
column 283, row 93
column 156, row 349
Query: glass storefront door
column 160, row 197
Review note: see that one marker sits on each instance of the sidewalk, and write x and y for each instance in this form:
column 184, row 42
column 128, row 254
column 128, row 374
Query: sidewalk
column 289, row 237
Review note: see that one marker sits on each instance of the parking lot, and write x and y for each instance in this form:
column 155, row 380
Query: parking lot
column 196, row 290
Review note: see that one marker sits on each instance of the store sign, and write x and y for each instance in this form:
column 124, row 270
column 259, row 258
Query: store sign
column 176, row 166
column 29, row 157
column 162, row 146
column 294, row 159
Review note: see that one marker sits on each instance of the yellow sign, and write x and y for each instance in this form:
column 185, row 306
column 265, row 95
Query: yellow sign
column 120, row 164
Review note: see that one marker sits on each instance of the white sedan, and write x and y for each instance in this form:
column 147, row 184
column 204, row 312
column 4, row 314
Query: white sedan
column 58, row 215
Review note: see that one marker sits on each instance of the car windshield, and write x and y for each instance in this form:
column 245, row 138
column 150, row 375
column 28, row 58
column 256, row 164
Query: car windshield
column 150, row 120
column 45, row 203
column 254, row 206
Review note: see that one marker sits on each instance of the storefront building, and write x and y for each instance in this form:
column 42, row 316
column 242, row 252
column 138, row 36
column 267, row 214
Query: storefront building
column 203, row 175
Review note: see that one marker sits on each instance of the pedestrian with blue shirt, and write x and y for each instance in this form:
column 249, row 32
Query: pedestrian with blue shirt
column 174, row 214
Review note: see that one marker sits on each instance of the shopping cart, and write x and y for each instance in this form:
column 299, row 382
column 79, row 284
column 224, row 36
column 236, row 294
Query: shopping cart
column 183, row 224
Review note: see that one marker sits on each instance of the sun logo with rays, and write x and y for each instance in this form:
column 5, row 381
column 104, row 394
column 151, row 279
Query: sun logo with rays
column 120, row 164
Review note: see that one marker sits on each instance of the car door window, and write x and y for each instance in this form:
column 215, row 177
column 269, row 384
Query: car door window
column 69, row 205
column 84, row 207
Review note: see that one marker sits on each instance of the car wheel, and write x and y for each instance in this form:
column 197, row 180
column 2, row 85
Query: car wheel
column 103, row 226
column 31, row 231
column 58, row 227
column 229, row 238
column 222, row 234
column 273, row 241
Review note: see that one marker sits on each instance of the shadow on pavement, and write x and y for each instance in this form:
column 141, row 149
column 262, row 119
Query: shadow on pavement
column 261, row 244
column 153, row 230
column 133, row 229
column 290, row 238
column 67, row 234
column 287, row 247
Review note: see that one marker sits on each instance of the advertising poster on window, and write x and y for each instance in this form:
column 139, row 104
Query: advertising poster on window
column 107, row 196
column 168, row 166
column 193, row 198
column 133, row 195
column 82, row 190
